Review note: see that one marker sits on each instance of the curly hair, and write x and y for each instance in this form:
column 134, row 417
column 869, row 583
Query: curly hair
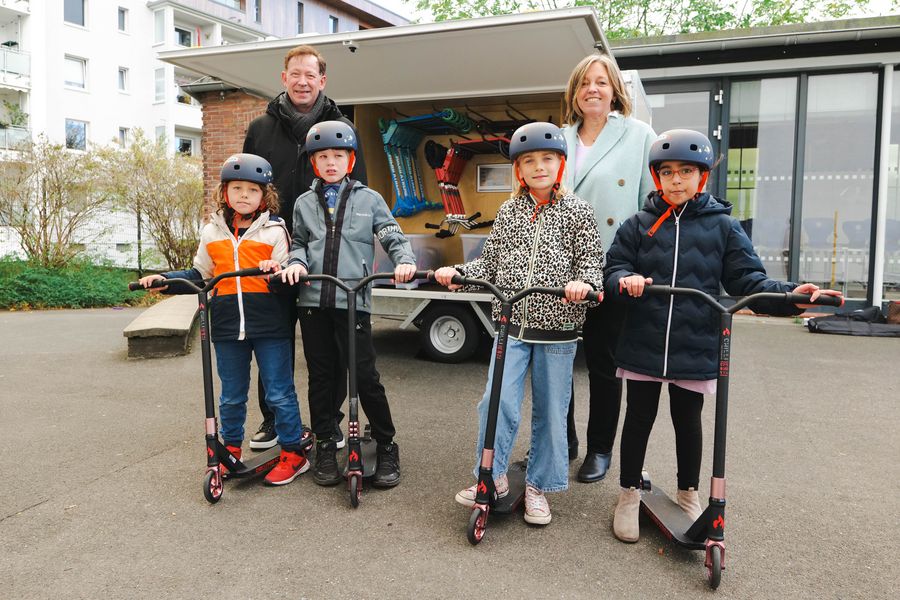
column 269, row 200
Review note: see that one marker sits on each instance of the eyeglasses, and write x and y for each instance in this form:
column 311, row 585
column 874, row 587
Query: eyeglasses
column 683, row 172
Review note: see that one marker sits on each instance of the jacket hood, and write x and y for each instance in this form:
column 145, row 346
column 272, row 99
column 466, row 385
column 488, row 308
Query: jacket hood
column 705, row 204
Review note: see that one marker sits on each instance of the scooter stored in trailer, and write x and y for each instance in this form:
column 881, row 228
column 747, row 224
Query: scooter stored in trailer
column 708, row 531
column 486, row 499
column 218, row 458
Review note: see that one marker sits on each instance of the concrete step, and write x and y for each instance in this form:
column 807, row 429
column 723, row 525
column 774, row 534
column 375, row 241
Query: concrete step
column 165, row 329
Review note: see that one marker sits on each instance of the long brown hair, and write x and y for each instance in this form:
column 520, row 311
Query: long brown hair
column 269, row 201
column 621, row 100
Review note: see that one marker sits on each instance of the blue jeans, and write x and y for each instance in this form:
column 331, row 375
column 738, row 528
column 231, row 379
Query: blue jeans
column 273, row 357
column 551, row 382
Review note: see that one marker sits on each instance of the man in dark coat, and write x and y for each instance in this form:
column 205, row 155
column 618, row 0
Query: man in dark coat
column 279, row 136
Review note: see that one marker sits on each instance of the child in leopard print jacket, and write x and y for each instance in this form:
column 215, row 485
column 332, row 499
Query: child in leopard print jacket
column 544, row 237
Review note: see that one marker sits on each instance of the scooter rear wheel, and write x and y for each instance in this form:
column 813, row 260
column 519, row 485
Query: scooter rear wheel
column 477, row 526
column 714, row 567
column 212, row 487
column 353, row 487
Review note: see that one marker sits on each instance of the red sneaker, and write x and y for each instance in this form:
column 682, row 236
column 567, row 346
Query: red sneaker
column 236, row 452
column 290, row 466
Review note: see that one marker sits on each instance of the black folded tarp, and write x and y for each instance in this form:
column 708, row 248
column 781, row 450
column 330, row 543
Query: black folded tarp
column 864, row 321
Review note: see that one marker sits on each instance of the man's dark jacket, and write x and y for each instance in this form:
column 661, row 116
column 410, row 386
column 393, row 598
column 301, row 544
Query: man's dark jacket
column 271, row 137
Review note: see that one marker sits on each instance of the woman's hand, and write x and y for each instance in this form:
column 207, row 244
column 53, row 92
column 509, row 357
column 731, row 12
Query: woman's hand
column 633, row 285
column 814, row 292
column 576, row 291
column 444, row 275
column 293, row 273
column 404, row 272
column 149, row 279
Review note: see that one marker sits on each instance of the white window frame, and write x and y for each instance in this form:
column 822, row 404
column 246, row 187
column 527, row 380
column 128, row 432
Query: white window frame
column 334, row 24
column 84, row 14
column 178, row 31
column 124, row 136
column 84, row 73
column 179, row 139
column 159, row 93
column 301, row 9
column 86, row 125
column 159, row 27
column 122, row 77
column 124, row 14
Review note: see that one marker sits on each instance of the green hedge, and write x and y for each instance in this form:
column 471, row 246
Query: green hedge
column 79, row 285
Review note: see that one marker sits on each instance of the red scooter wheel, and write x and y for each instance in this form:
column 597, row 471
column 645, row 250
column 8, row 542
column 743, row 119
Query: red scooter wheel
column 477, row 525
column 212, row 487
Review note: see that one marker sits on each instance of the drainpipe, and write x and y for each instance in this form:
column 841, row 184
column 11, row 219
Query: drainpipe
column 881, row 214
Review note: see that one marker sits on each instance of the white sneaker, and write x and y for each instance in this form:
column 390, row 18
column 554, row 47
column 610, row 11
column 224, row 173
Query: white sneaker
column 537, row 509
column 466, row 497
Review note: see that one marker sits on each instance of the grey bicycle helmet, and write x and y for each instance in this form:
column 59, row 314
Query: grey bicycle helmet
column 536, row 136
column 246, row 167
column 682, row 145
column 330, row 134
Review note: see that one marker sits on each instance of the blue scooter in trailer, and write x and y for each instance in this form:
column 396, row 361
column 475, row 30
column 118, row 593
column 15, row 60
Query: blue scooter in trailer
column 708, row 531
column 217, row 455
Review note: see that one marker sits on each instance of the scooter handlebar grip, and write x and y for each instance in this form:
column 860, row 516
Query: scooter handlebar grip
column 458, row 280
column 823, row 300
column 432, row 226
column 594, row 296
column 135, row 286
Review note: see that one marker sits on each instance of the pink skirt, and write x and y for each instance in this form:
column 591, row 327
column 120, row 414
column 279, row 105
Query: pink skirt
column 692, row 385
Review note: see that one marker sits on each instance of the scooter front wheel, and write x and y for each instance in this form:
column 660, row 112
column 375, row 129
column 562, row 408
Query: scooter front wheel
column 212, row 487
column 714, row 566
column 477, row 525
column 353, row 487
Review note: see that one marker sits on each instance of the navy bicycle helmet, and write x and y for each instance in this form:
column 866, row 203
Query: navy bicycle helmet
column 246, row 167
column 536, row 136
column 330, row 134
column 682, row 145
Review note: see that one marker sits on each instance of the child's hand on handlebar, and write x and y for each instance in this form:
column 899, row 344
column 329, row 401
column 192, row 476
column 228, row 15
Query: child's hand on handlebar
column 633, row 285
column 293, row 273
column 149, row 279
column 444, row 275
column 576, row 291
column 814, row 292
column 269, row 265
column 404, row 272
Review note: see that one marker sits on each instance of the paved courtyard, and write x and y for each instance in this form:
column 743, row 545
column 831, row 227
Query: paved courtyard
column 104, row 457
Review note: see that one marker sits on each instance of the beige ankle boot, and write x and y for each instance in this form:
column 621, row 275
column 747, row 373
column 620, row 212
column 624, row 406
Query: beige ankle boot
column 625, row 520
column 689, row 501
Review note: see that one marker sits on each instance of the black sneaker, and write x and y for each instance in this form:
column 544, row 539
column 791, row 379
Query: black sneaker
column 325, row 469
column 265, row 437
column 387, row 473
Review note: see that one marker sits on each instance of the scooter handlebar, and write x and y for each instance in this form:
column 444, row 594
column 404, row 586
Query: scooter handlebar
column 592, row 296
column 787, row 297
column 193, row 286
column 822, row 300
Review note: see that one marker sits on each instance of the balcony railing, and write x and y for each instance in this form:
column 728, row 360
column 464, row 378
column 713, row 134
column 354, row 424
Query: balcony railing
column 13, row 62
column 13, row 138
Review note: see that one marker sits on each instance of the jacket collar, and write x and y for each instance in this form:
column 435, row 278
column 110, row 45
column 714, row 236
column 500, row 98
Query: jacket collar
column 608, row 138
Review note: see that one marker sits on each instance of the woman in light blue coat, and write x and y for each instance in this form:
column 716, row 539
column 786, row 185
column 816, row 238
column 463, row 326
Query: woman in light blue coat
column 607, row 167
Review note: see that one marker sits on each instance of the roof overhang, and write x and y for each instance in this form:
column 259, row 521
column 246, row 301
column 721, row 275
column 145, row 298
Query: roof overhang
column 495, row 56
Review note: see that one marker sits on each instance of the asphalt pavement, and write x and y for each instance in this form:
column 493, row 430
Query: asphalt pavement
column 103, row 462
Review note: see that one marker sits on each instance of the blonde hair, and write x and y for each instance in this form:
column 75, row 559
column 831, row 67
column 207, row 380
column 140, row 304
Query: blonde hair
column 522, row 190
column 269, row 200
column 305, row 51
column 620, row 102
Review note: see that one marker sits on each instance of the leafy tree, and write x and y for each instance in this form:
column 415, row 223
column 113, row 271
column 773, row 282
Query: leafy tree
column 164, row 192
column 635, row 18
column 49, row 195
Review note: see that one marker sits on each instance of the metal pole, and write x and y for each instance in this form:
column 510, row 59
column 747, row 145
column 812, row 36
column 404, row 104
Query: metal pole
column 881, row 213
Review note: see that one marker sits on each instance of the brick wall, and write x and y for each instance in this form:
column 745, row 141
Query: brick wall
column 226, row 116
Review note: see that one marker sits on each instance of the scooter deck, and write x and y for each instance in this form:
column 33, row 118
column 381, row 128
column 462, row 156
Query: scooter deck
column 511, row 501
column 369, row 454
column 668, row 516
column 258, row 464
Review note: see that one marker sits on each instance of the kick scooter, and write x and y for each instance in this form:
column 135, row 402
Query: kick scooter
column 708, row 531
column 217, row 455
column 486, row 500
column 361, row 449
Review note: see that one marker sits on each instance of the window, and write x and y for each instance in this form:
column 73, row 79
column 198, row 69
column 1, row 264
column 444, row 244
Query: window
column 332, row 24
column 160, row 132
column 124, row 136
column 183, row 97
column 75, row 72
column 235, row 4
column 123, row 19
column 76, row 134
column 73, row 12
column 299, row 17
column 257, row 11
column 123, row 79
column 159, row 78
column 183, row 37
column 184, row 145
column 159, row 27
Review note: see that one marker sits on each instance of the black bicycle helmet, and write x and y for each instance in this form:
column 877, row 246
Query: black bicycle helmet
column 330, row 134
column 246, row 167
column 682, row 145
column 536, row 136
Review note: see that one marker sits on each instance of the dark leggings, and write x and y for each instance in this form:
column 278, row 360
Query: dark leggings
column 642, row 404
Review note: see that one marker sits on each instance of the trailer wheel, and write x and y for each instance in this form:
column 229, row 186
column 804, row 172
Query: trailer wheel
column 449, row 333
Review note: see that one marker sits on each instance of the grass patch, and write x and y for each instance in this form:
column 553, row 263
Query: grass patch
column 25, row 286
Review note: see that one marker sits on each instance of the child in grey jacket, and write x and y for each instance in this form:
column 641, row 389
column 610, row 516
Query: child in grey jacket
column 334, row 231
